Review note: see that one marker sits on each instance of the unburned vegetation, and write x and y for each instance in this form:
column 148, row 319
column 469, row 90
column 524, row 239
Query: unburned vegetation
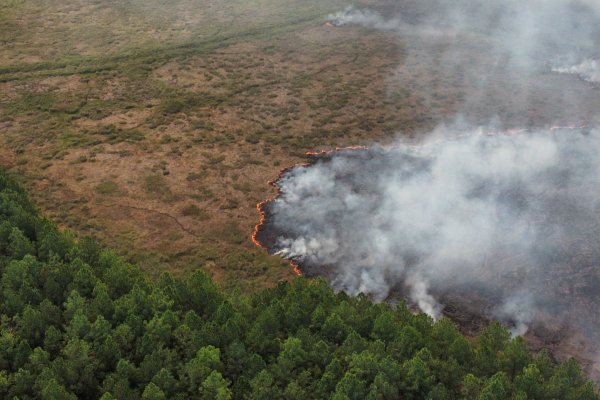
column 155, row 128
column 156, row 131
column 78, row 322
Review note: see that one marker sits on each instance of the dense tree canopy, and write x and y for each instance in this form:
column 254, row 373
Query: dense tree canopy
column 78, row 322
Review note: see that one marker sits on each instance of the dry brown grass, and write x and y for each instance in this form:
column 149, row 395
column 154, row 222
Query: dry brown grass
column 171, row 111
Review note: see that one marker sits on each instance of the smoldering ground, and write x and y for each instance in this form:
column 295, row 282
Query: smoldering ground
column 511, row 220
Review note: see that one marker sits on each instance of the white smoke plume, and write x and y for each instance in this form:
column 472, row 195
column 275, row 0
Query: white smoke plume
column 588, row 70
column 512, row 216
column 366, row 18
column 520, row 309
column 506, row 225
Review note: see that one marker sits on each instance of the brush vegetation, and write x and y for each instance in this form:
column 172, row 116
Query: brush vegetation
column 78, row 322
column 129, row 112
column 119, row 114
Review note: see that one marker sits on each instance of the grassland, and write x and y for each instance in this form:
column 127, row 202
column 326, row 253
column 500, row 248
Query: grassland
column 155, row 126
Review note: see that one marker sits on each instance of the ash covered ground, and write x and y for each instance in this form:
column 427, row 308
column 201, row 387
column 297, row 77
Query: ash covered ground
column 480, row 226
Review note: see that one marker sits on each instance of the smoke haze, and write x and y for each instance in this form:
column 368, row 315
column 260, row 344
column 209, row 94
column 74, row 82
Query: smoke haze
column 529, row 32
column 501, row 214
column 508, row 221
column 497, row 57
column 436, row 216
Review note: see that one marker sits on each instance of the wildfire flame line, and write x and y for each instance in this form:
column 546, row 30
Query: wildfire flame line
column 260, row 207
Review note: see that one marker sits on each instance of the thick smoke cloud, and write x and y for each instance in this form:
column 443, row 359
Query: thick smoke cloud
column 502, row 225
column 494, row 213
column 513, row 216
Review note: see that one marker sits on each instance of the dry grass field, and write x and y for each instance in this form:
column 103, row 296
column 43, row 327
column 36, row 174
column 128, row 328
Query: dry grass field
column 155, row 128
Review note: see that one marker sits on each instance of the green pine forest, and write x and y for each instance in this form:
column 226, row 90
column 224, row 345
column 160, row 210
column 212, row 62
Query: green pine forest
column 78, row 322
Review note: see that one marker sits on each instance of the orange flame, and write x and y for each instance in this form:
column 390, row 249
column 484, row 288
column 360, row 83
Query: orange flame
column 296, row 268
column 260, row 207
